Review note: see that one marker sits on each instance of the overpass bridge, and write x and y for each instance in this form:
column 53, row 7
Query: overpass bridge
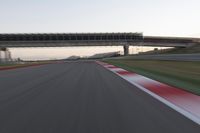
column 91, row 39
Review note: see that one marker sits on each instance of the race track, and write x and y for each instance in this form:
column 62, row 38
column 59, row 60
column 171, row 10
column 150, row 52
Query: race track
column 81, row 97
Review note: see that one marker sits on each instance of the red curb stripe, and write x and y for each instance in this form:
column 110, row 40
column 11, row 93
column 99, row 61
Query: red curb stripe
column 180, row 100
column 179, row 97
column 125, row 73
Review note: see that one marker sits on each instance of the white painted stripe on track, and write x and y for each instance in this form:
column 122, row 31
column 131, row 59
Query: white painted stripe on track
column 116, row 69
column 136, row 79
column 173, row 106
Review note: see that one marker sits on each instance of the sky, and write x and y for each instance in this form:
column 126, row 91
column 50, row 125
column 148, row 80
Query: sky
column 152, row 17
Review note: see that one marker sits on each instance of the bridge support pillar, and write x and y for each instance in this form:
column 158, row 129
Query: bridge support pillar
column 126, row 49
column 7, row 55
column 0, row 57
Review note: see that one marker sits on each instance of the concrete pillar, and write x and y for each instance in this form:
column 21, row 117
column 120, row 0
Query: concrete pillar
column 3, row 49
column 126, row 49
column 0, row 56
column 7, row 54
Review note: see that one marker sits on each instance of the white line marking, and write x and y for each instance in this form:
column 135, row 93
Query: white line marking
column 130, row 79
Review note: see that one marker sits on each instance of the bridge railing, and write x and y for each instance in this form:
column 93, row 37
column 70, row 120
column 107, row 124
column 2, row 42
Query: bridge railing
column 72, row 37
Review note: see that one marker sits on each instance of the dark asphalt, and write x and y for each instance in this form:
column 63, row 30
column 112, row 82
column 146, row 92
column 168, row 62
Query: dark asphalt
column 81, row 97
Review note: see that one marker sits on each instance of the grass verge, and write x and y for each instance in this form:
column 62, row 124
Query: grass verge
column 14, row 66
column 184, row 75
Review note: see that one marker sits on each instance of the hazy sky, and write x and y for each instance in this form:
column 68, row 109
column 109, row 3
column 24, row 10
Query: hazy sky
column 152, row 17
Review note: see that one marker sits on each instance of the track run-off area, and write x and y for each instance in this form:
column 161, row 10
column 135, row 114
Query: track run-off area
column 82, row 97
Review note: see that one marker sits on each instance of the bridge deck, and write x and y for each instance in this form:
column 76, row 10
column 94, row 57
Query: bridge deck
column 91, row 39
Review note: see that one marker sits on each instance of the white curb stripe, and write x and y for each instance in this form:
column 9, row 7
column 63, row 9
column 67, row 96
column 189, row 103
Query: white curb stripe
column 138, row 80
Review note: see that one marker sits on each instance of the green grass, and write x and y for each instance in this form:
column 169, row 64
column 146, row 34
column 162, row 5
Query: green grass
column 187, row 50
column 184, row 75
column 5, row 65
column 21, row 65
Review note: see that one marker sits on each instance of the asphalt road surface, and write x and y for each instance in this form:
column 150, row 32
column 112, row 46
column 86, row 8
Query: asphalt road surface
column 81, row 97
